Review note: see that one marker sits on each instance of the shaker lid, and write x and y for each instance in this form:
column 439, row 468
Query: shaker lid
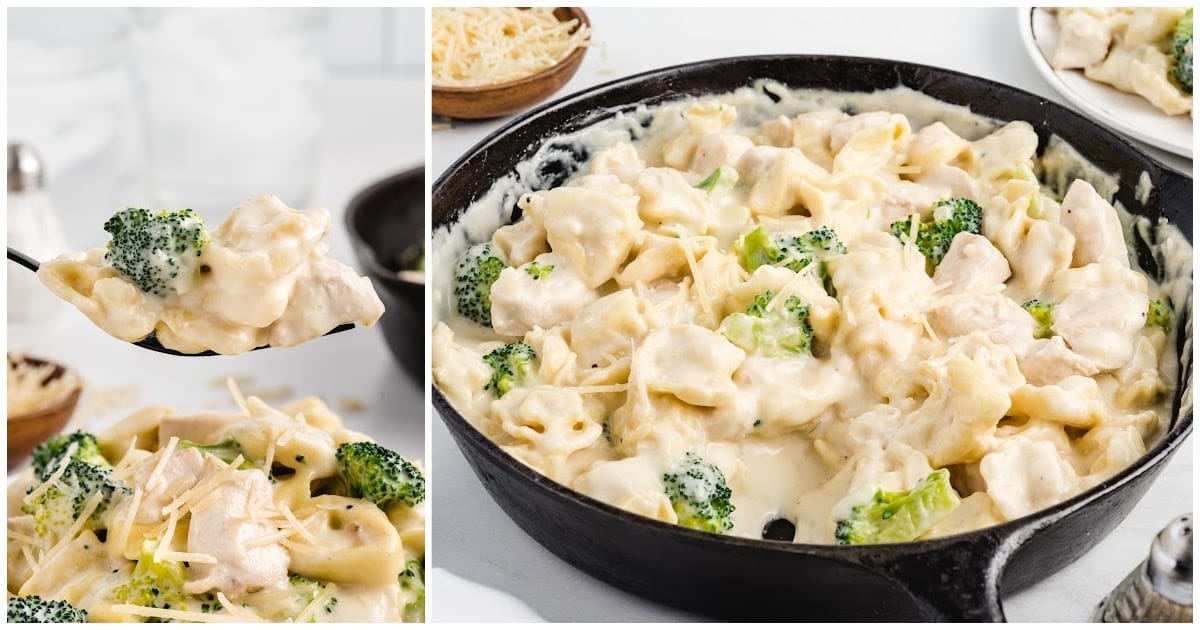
column 26, row 171
column 1170, row 562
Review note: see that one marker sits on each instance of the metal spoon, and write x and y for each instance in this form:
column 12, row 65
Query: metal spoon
column 150, row 342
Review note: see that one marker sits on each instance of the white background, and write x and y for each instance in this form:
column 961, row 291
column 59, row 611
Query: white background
column 474, row 539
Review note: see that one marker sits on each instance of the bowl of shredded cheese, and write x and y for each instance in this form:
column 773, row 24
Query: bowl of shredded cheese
column 41, row 398
column 496, row 61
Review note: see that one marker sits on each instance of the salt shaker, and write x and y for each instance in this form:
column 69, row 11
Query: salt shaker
column 1160, row 588
column 33, row 228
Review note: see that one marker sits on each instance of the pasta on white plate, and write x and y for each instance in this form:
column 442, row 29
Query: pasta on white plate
column 878, row 327
column 261, row 514
column 1143, row 51
column 261, row 278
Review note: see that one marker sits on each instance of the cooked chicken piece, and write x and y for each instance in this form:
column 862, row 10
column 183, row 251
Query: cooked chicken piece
column 715, row 149
column 182, row 471
column 1048, row 361
column 954, row 181
column 1095, row 224
column 227, row 529
column 972, row 264
column 756, row 162
column 1042, row 361
column 522, row 300
column 1004, row 321
column 904, row 199
column 335, row 295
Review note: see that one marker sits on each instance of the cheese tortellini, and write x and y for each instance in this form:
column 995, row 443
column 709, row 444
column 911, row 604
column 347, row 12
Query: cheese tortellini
column 262, row 279
column 738, row 292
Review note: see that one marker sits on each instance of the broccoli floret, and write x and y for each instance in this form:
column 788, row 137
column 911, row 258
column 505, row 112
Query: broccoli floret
column 781, row 331
column 1043, row 314
column 761, row 247
column 538, row 271
column 950, row 218
column 1158, row 314
column 47, row 455
column 724, row 177
column 699, row 495
column 510, row 365
column 380, row 475
column 412, row 583
column 413, row 258
column 473, row 277
column 900, row 516
column 158, row 252
column 305, row 590
column 154, row 584
column 59, row 505
column 1181, row 42
column 34, row 609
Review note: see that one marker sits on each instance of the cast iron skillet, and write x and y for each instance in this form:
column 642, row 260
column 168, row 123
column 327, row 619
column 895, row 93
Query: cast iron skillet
column 953, row 578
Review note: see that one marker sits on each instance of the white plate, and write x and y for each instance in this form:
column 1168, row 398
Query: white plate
column 1129, row 114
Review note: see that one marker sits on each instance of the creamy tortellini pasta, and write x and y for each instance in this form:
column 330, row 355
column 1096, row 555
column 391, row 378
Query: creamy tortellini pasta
column 252, row 515
column 727, row 322
column 261, row 278
column 1131, row 49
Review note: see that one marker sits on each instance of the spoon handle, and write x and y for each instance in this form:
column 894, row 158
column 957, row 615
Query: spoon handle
column 23, row 260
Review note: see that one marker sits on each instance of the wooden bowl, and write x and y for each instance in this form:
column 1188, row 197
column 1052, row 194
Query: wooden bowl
column 502, row 99
column 27, row 430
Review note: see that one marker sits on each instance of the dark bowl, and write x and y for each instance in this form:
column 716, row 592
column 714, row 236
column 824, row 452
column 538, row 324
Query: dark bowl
column 384, row 221
column 956, row 577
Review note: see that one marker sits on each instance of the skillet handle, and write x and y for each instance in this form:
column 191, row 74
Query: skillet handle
column 952, row 579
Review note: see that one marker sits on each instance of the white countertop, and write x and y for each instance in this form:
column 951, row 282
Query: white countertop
column 472, row 536
column 373, row 127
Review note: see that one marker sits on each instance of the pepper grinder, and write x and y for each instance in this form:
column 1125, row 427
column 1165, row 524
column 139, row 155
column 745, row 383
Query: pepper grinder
column 1160, row 588
column 33, row 228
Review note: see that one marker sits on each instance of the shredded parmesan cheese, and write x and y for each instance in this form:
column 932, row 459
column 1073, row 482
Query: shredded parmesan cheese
column 203, row 490
column 237, row 395
column 165, row 545
column 184, row 556
column 483, row 46
column 178, row 615
column 239, row 612
column 311, row 609
column 122, row 540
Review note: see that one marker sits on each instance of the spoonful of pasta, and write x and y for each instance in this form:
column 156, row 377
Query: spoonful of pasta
column 165, row 283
